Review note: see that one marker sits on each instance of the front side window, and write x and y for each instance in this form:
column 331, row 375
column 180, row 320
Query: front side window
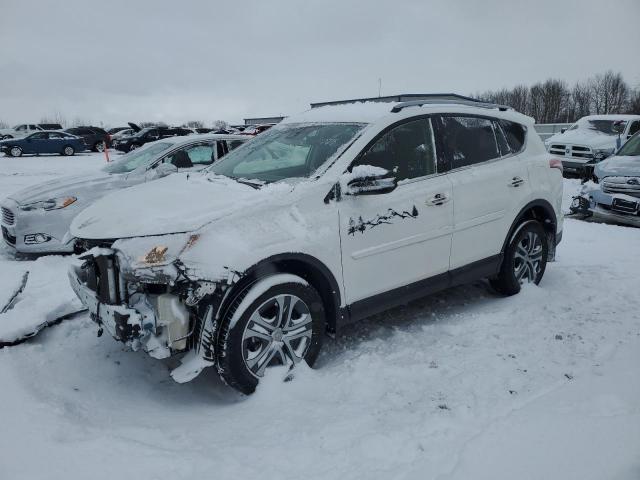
column 631, row 148
column 39, row 136
column 635, row 127
column 20, row 128
column 189, row 157
column 138, row 158
column 289, row 151
column 406, row 150
column 468, row 140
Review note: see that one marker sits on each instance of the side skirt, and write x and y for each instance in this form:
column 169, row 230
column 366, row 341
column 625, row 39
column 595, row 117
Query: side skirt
column 367, row 307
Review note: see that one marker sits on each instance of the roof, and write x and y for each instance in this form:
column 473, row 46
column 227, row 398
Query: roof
column 403, row 97
column 611, row 116
column 202, row 136
column 370, row 112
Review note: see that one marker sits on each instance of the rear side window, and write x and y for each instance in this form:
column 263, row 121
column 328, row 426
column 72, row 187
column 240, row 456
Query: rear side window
column 515, row 134
column 233, row 144
column 469, row 140
column 407, row 150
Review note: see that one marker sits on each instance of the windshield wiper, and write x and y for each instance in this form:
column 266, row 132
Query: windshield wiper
column 255, row 184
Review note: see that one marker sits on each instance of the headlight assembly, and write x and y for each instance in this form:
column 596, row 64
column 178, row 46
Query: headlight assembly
column 602, row 153
column 51, row 204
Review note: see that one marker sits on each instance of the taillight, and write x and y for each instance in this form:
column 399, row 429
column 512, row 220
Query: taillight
column 556, row 163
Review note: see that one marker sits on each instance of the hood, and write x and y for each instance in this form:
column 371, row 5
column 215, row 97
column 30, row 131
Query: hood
column 134, row 127
column 178, row 203
column 618, row 166
column 66, row 186
column 584, row 136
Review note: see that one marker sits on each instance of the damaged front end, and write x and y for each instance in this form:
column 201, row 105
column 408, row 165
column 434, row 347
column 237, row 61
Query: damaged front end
column 614, row 200
column 150, row 302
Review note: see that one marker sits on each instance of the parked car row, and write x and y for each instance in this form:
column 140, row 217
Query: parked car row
column 37, row 219
column 591, row 140
column 21, row 131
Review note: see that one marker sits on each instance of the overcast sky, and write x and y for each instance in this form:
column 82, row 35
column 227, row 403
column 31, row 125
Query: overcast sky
column 116, row 61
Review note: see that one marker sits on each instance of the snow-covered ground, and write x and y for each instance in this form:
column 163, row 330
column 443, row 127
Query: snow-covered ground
column 461, row 385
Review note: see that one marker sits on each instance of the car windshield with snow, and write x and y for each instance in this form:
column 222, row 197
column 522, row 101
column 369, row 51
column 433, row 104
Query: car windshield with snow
column 329, row 217
column 37, row 219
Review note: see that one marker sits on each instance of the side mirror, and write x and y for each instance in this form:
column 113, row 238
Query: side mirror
column 563, row 129
column 165, row 169
column 618, row 127
column 368, row 180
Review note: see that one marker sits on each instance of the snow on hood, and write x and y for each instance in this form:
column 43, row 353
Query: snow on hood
column 178, row 203
column 64, row 186
column 618, row 166
column 584, row 136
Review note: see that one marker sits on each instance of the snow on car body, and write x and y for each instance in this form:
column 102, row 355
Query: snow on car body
column 616, row 195
column 37, row 219
column 328, row 217
column 590, row 140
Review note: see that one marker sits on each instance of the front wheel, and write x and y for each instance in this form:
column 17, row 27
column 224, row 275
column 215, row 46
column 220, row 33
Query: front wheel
column 15, row 151
column 525, row 259
column 68, row 151
column 99, row 147
column 281, row 322
column 133, row 146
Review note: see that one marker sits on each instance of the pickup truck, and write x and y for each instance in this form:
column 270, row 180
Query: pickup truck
column 590, row 140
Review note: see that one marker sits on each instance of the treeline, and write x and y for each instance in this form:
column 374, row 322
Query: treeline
column 555, row 101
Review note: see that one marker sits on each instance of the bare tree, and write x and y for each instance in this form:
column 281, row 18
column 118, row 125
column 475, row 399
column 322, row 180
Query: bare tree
column 220, row 125
column 194, row 124
column 610, row 93
column 634, row 102
column 4, row 124
column 55, row 117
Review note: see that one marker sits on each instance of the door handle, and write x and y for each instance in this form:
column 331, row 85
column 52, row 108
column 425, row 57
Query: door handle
column 438, row 199
column 516, row 182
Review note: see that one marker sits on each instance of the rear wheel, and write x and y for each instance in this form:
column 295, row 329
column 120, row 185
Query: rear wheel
column 68, row 150
column 99, row 146
column 15, row 151
column 525, row 259
column 282, row 325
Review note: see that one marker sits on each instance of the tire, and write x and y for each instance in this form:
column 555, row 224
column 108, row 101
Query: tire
column 525, row 259
column 134, row 146
column 99, row 146
column 15, row 151
column 255, row 335
column 68, row 151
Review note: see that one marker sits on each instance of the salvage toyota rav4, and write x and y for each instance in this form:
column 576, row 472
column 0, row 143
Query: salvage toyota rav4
column 329, row 217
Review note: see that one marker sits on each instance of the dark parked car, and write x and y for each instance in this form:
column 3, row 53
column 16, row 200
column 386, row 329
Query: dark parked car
column 113, row 130
column 95, row 138
column 149, row 134
column 50, row 126
column 43, row 142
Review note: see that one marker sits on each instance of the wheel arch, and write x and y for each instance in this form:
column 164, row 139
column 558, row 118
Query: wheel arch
column 305, row 266
column 541, row 211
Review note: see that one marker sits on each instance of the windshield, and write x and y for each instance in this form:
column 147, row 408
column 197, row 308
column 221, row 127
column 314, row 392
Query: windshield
column 137, row 158
column 601, row 126
column 289, row 151
column 631, row 148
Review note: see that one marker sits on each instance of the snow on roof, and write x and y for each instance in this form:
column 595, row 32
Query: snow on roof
column 369, row 112
column 611, row 116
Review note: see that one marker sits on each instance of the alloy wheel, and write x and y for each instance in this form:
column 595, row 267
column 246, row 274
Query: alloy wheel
column 16, row 151
column 528, row 258
column 278, row 332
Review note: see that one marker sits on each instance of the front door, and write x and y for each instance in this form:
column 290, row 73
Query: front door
column 391, row 240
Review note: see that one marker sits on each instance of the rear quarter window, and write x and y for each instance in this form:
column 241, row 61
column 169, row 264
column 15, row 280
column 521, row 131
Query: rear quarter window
column 515, row 134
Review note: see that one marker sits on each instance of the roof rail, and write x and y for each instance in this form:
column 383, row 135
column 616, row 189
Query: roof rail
column 404, row 97
column 449, row 101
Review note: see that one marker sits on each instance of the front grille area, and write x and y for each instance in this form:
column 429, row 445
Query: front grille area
column 103, row 277
column 574, row 151
column 10, row 239
column 624, row 185
column 8, row 218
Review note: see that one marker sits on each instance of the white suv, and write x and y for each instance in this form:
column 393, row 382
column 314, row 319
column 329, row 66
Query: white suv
column 329, row 217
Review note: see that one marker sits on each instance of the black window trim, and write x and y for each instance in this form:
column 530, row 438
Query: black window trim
column 493, row 120
column 196, row 143
column 436, row 146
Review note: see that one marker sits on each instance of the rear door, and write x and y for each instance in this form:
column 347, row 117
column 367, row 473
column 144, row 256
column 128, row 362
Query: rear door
column 490, row 184
column 38, row 143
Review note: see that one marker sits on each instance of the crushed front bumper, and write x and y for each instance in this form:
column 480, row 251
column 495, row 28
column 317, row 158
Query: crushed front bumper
column 600, row 206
